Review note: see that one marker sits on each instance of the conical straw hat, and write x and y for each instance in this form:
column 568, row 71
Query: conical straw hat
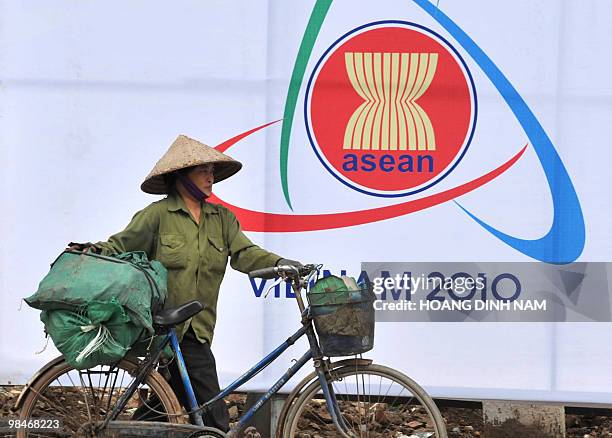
column 187, row 152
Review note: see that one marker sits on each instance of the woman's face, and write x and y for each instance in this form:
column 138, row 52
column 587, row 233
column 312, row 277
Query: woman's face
column 202, row 176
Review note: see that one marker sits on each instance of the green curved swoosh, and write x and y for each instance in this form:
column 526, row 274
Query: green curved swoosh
column 310, row 36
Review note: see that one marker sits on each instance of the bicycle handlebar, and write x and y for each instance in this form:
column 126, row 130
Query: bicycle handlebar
column 297, row 276
column 264, row 273
column 276, row 271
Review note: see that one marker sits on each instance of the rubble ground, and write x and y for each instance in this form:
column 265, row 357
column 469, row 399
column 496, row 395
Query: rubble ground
column 461, row 422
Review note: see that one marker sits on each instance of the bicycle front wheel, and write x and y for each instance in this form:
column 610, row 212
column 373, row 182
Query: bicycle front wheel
column 80, row 399
column 373, row 401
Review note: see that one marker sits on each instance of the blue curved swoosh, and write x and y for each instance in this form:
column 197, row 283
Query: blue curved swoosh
column 564, row 241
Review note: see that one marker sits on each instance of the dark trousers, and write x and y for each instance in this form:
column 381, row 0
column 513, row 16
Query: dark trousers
column 202, row 370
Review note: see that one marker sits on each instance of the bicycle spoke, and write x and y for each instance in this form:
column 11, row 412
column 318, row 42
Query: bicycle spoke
column 359, row 413
column 379, row 388
column 104, row 389
column 370, row 409
column 85, row 397
column 369, row 399
column 347, row 402
column 80, row 390
column 82, row 398
column 316, row 416
column 67, row 414
column 122, row 376
column 112, row 390
column 402, row 410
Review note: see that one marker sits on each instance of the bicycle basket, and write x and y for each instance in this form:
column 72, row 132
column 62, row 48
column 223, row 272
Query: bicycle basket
column 343, row 318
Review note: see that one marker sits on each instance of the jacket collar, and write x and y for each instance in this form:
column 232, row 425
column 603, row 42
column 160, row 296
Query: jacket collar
column 175, row 203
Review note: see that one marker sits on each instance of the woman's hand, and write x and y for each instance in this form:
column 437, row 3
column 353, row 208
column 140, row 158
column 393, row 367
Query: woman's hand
column 289, row 262
column 84, row 247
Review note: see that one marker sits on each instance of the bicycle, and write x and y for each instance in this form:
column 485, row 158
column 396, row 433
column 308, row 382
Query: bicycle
column 336, row 399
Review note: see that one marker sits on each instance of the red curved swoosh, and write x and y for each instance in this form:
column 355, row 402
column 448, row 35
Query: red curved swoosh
column 252, row 220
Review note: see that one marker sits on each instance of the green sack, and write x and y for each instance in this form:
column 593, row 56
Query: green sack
column 96, row 307
column 103, row 334
column 332, row 290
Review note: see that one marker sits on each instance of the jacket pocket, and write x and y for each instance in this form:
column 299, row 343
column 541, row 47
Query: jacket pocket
column 172, row 251
column 217, row 253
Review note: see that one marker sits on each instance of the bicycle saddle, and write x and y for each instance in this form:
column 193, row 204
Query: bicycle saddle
column 176, row 315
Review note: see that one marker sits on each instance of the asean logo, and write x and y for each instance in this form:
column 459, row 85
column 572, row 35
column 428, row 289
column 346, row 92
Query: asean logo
column 390, row 108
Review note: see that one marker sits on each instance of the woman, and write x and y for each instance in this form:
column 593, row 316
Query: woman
column 193, row 239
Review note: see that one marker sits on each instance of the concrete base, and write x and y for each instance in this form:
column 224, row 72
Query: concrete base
column 508, row 419
column 267, row 416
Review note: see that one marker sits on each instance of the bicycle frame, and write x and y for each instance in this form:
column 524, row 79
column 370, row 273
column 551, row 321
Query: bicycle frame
column 314, row 352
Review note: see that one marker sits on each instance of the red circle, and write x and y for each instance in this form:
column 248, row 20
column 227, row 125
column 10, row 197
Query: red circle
column 447, row 103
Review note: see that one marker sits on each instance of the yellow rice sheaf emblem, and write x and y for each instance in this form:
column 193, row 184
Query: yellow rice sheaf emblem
column 390, row 84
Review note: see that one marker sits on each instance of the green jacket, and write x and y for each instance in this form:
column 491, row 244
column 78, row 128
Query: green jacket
column 195, row 255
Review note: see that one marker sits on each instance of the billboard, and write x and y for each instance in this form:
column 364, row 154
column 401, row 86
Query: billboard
column 394, row 131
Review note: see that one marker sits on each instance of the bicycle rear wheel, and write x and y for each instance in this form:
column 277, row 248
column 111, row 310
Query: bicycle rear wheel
column 82, row 398
column 374, row 402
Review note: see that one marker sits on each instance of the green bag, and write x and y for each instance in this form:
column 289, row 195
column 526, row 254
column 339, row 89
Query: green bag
column 332, row 290
column 96, row 307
